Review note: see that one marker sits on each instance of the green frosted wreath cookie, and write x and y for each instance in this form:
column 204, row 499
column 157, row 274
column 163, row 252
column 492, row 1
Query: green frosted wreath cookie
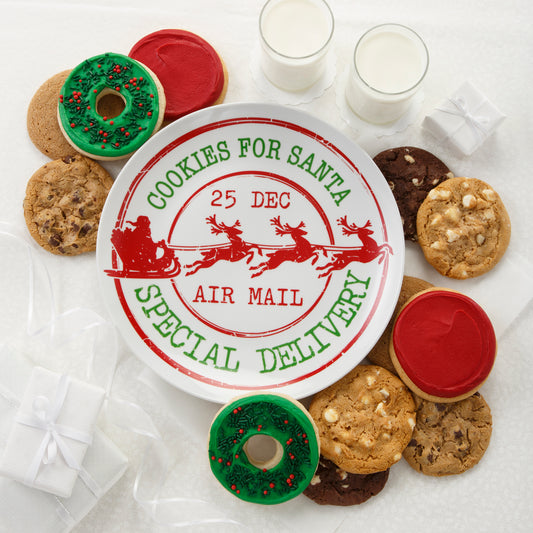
column 234, row 456
column 86, row 94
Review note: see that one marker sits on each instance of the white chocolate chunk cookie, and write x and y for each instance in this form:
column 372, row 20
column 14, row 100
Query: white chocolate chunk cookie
column 463, row 228
column 365, row 420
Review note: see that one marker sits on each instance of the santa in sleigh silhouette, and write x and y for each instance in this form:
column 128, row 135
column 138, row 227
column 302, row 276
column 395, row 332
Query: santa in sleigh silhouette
column 142, row 257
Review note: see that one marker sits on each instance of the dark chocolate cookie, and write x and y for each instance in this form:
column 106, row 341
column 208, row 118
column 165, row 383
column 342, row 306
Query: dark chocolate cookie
column 332, row 485
column 411, row 173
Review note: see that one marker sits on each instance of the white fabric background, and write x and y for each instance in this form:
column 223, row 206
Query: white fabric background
column 485, row 41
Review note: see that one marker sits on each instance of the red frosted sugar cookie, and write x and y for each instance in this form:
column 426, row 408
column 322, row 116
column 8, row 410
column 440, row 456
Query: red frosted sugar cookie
column 190, row 70
column 443, row 345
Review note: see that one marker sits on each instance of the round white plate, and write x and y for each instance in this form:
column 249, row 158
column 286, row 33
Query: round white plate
column 250, row 247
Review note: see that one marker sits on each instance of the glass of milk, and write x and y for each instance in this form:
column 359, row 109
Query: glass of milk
column 295, row 38
column 389, row 64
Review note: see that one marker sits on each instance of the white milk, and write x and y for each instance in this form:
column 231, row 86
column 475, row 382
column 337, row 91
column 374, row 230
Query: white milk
column 296, row 28
column 389, row 63
column 295, row 38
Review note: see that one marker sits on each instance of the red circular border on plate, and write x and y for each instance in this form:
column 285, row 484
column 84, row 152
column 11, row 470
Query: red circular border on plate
column 162, row 153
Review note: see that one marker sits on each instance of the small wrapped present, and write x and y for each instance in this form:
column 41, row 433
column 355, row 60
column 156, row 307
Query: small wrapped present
column 464, row 120
column 27, row 510
column 51, row 432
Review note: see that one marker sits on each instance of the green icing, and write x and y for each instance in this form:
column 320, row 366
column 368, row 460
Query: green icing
column 279, row 418
column 103, row 136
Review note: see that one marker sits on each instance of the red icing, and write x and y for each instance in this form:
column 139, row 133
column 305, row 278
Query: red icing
column 188, row 68
column 445, row 343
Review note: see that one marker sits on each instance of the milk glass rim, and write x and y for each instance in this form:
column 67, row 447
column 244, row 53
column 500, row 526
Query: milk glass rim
column 315, row 53
column 409, row 30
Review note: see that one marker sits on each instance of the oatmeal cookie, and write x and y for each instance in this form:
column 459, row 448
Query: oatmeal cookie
column 41, row 120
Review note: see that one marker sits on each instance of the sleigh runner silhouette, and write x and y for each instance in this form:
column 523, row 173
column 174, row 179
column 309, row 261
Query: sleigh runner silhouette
column 143, row 258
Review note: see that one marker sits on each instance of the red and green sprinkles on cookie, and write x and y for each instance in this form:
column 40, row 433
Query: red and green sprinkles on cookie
column 105, row 137
column 276, row 479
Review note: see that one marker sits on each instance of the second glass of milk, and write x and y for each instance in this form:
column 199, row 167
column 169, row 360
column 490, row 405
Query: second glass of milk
column 295, row 38
column 389, row 64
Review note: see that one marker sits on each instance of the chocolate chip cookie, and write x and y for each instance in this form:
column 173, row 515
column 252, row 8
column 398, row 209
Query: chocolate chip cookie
column 63, row 203
column 41, row 120
column 449, row 438
column 365, row 420
column 463, row 228
column 411, row 173
column 332, row 485
column 379, row 355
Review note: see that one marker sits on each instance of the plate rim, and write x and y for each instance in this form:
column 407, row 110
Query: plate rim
column 155, row 145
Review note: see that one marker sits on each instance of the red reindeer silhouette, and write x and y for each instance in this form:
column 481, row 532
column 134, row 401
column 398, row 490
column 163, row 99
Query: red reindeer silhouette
column 362, row 254
column 299, row 253
column 237, row 249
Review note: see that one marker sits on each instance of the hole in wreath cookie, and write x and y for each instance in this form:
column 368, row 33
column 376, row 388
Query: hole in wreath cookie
column 263, row 451
column 110, row 103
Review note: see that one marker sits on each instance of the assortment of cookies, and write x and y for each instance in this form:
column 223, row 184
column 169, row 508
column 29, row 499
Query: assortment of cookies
column 105, row 108
column 411, row 173
column 419, row 399
column 460, row 223
column 374, row 416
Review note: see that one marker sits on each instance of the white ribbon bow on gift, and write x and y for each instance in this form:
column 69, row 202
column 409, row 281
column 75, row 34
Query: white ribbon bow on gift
column 44, row 417
column 477, row 123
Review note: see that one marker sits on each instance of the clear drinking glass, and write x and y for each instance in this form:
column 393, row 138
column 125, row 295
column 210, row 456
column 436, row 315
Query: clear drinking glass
column 389, row 64
column 295, row 38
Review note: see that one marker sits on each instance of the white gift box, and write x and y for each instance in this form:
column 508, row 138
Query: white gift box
column 27, row 510
column 51, row 432
column 464, row 120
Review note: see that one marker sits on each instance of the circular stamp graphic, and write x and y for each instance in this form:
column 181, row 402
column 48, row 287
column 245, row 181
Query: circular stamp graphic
column 262, row 244
column 250, row 247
